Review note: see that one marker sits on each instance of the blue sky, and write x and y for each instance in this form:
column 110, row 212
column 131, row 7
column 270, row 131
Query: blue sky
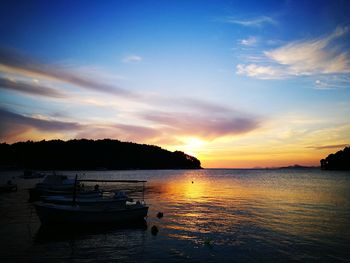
column 234, row 83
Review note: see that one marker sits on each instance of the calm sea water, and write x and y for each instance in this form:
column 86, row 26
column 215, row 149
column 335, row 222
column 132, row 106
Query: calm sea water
column 209, row 216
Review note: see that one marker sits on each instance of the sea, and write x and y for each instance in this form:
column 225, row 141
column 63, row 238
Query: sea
column 209, row 215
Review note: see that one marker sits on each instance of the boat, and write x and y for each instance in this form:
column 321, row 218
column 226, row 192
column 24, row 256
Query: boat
column 91, row 210
column 98, row 198
column 56, row 182
column 29, row 174
column 53, row 184
column 50, row 213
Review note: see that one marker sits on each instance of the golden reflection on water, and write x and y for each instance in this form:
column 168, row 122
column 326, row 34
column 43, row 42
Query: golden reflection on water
column 278, row 203
column 189, row 189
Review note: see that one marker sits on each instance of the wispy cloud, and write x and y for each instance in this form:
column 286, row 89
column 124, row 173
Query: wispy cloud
column 13, row 124
column 125, row 132
column 209, row 127
column 261, row 72
column 313, row 56
column 13, row 62
column 253, row 22
column 132, row 59
column 8, row 117
column 328, row 82
column 250, row 41
column 30, row 87
column 192, row 105
column 336, row 146
column 302, row 58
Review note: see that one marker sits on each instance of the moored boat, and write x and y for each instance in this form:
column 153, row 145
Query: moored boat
column 53, row 184
column 95, row 198
column 91, row 210
column 29, row 174
column 75, row 214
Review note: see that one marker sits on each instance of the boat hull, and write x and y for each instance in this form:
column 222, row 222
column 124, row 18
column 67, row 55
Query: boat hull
column 53, row 214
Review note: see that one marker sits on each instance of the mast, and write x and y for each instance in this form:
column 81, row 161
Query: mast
column 75, row 189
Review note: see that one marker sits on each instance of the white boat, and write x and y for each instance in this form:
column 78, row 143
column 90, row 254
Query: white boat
column 97, row 199
column 56, row 182
column 86, row 210
column 53, row 184
column 29, row 174
column 90, row 214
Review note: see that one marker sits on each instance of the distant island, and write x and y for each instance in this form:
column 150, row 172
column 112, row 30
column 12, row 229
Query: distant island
column 337, row 161
column 86, row 154
column 297, row 166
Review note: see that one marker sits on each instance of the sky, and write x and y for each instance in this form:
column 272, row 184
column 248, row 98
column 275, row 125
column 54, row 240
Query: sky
column 238, row 84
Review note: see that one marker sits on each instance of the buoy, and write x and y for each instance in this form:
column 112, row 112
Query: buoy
column 160, row 215
column 154, row 230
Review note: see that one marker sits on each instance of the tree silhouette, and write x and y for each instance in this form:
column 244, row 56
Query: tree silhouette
column 86, row 154
column 337, row 161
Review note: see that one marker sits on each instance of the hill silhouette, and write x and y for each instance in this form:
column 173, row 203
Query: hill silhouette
column 337, row 161
column 86, row 154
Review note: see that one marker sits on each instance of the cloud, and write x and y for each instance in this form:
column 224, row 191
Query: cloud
column 132, row 59
column 250, row 41
column 313, row 56
column 14, row 124
column 332, row 82
column 193, row 105
column 336, row 146
column 319, row 84
column 261, row 72
column 302, row 58
column 8, row 118
column 208, row 127
column 31, row 88
column 13, row 62
column 119, row 131
column 253, row 22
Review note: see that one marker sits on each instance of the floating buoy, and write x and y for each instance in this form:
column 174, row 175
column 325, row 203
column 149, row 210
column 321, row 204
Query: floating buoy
column 160, row 215
column 154, row 230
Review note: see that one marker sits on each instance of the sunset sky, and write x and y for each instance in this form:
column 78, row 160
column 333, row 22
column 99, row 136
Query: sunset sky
column 234, row 83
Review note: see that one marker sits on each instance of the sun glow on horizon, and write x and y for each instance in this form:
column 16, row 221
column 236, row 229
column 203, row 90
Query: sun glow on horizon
column 246, row 90
column 193, row 145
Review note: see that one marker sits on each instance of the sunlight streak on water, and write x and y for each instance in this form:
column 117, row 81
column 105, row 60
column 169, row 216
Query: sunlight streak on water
column 209, row 215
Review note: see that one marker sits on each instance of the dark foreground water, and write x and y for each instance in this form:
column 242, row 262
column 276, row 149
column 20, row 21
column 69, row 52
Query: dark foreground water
column 223, row 216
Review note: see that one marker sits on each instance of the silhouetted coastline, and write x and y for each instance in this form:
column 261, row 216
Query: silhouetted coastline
column 337, row 161
column 86, row 154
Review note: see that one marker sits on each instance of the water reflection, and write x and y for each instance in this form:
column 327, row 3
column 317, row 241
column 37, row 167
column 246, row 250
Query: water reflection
column 274, row 212
column 88, row 244
column 209, row 215
column 54, row 233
